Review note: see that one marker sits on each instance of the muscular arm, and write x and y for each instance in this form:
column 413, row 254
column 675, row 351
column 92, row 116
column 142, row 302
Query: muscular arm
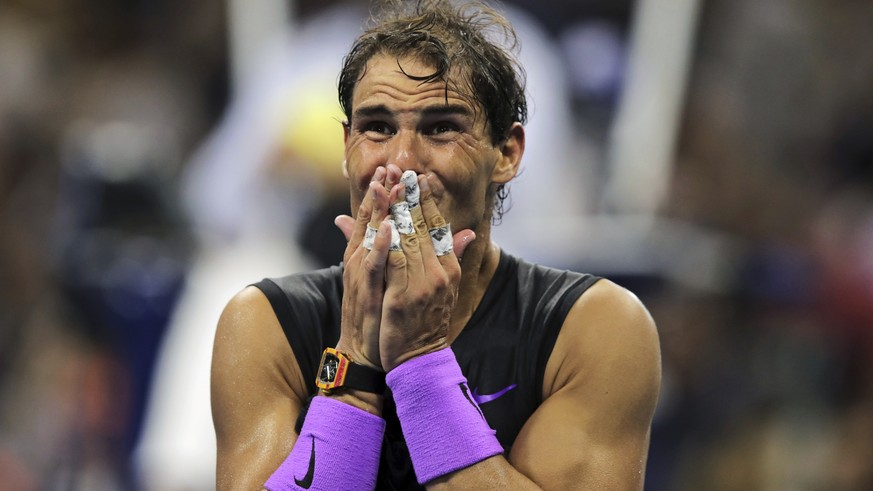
column 600, row 389
column 257, row 392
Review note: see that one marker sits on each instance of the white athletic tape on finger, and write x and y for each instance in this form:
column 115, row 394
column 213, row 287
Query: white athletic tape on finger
column 402, row 217
column 369, row 237
column 442, row 239
column 395, row 236
column 410, row 180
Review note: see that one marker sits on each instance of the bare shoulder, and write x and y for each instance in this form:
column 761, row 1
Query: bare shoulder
column 257, row 391
column 249, row 340
column 600, row 388
column 608, row 347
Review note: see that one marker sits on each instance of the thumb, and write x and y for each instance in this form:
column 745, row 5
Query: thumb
column 346, row 224
column 461, row 240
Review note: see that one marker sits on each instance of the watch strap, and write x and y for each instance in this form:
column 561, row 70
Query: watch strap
column 364, row 378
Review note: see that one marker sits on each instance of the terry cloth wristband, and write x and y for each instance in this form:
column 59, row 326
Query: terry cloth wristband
column 444, row 428
column 338, row 448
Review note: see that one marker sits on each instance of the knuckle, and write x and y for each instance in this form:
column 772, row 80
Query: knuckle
column 442, row 282
column 396, row 259
column 364, row 212
column 411, row 240
column 370, row 266
column 394, row 309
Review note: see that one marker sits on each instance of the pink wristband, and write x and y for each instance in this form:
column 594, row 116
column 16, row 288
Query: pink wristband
column 338, row 448
column 444, row 428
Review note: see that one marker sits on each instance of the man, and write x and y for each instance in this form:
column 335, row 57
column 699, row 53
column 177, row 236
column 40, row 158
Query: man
column 499, row 372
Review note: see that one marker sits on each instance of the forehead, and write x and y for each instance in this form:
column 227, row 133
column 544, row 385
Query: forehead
column 390, row 80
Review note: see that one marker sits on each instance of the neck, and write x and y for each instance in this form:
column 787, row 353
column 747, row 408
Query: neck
column 477, row 268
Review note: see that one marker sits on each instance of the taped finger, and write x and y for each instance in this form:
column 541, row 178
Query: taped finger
column 402, row 217
column 442, row 239
column 369, row 237
column 395, row 236
column 410, row 181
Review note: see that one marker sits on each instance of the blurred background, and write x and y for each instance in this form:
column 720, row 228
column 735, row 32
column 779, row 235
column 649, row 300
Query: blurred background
column 715, row 156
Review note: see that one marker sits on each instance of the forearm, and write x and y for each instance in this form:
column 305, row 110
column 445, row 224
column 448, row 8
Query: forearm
column 492, row 473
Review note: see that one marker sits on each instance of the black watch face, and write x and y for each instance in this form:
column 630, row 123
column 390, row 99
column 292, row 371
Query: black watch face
column 328, row 368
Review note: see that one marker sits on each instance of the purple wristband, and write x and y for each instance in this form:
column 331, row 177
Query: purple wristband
column 444, row 428
column 338, row 448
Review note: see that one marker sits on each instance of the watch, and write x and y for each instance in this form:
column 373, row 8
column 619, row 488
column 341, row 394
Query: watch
column 337, row 370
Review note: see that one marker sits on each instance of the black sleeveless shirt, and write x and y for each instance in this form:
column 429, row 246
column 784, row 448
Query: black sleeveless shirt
column 502, row 351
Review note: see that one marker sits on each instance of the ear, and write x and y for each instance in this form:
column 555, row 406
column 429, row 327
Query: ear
column 511, row 151
column 345, row 164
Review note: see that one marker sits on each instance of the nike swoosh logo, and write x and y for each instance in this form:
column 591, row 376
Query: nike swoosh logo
column 483, row 398
column 307, row 479
column 466, row 392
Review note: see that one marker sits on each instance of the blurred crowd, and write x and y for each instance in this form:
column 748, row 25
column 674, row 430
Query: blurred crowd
column 140, row 188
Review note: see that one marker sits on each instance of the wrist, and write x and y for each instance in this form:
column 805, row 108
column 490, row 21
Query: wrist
column 410, row 355
column 436, row 413
column 338, row 448
column 367, row 401
column 358, row 356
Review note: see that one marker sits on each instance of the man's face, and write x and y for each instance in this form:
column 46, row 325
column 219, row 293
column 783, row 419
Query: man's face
column 401, row 121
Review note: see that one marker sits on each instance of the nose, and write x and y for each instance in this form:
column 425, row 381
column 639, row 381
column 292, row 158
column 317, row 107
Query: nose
column 405, row 151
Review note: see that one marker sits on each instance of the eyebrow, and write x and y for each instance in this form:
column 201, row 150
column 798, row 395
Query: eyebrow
column 430, row 111
column 447, row 110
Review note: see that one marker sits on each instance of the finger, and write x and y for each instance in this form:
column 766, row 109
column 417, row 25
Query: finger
column 394, row 245
column 346, row 224
column 461, row 240
column 409, row 240
column 441, row 240
column 409, row 179
column 431, row 213
column 425, row 243
column 411, row 244
column 375, row 260
column 355, row 232
column 379, row 175
column 379, row 213
column 418, row 221
column 396, row 271
column 365, row 213
column 400, row 210
column 439, row 230
column 392, row 176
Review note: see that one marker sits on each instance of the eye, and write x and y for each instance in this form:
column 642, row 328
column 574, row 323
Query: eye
column 443, row 128
column 377, row 127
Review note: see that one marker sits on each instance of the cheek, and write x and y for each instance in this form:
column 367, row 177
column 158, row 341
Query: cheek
column 465, row 196
column 361, row 162
column 476, row 163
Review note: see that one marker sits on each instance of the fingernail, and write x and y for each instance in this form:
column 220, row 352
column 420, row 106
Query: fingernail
column 384, row 229
column 425, row 186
